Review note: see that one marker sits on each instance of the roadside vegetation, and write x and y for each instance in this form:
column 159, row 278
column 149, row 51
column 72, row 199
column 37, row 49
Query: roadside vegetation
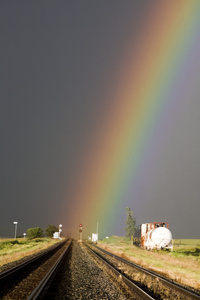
column 181, row 265
column 15, row 249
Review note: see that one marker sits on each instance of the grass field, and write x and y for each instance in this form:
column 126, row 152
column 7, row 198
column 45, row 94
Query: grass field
column 182, row 265
column 15, row 249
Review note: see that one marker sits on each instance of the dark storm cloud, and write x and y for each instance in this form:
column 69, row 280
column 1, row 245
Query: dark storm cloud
column 57, row 60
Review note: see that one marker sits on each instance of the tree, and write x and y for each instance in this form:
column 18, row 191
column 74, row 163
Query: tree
column 33, row 233
column 50, row 230
column 130, row 223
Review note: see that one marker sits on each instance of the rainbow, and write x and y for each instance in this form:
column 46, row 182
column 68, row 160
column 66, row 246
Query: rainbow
column 151, row 78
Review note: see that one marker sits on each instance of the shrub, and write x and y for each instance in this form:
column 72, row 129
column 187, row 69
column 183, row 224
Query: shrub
column 33, row 233
column 50, row 230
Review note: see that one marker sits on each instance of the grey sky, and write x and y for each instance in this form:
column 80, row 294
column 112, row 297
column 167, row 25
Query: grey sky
column 57, row 60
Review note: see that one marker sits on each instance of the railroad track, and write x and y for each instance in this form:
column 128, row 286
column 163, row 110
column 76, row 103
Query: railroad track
column 145, row 283
column 73, row 275
column 73, row 270
column 28, row 279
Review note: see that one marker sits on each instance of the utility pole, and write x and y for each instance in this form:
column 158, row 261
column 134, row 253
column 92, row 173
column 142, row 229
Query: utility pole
column 80, row 231
column 97, row 230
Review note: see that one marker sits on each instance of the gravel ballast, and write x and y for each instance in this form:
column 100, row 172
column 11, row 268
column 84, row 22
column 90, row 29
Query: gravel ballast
column 81, row 278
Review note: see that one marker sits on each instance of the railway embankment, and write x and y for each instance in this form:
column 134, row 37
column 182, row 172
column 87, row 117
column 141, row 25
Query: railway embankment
column 182, row 265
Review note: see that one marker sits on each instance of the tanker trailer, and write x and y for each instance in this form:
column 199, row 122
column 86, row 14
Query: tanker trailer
column 159, row 237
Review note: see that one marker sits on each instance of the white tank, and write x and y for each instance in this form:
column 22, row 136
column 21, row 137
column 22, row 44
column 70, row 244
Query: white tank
column 161, row 238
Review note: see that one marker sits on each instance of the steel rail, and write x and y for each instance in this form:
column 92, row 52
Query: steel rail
column 8, row 273
column 50, row 274
column 132, row 286
column 177, row 287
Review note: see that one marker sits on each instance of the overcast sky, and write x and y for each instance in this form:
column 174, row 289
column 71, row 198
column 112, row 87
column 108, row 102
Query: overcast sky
column 57, row 61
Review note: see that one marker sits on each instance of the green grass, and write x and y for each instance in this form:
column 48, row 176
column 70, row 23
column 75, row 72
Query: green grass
column 13, row 245
column 181, row 246
column 14, row 249
column 116, row 240
column 187, row 242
